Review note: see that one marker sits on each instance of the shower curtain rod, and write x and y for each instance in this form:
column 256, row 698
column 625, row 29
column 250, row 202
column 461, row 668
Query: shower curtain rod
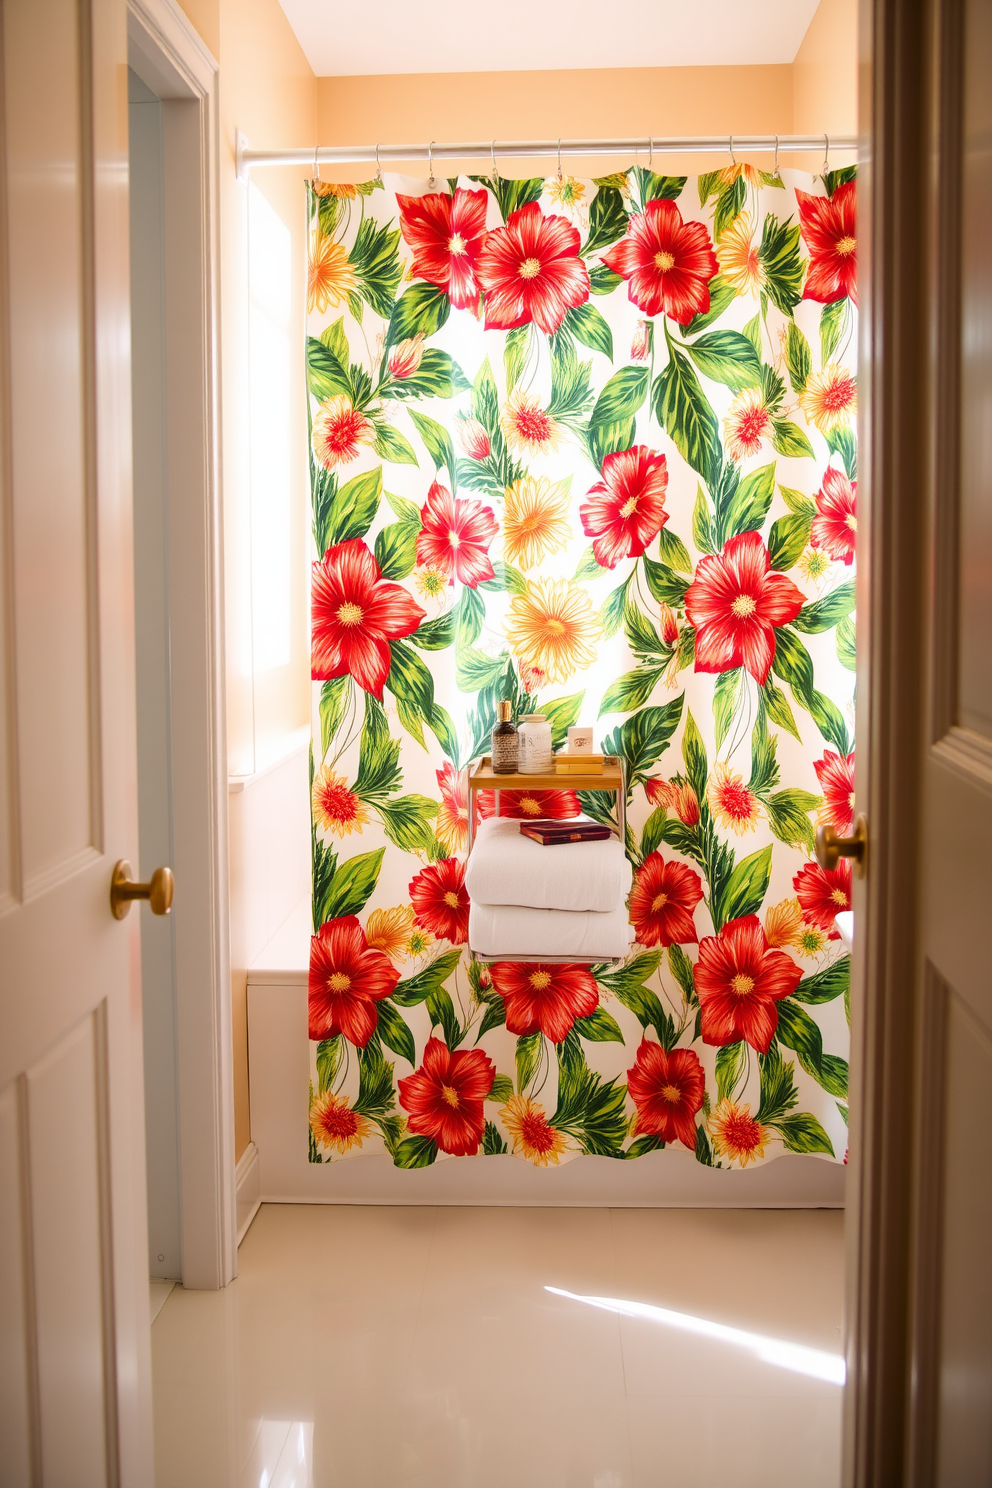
column 514, row 149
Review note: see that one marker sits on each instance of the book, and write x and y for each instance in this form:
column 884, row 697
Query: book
column 550, row 833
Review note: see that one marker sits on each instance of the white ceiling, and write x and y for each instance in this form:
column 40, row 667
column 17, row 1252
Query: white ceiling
column 341, row 38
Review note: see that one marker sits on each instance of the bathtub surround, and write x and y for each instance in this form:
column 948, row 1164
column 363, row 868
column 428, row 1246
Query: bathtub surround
column 586, row 445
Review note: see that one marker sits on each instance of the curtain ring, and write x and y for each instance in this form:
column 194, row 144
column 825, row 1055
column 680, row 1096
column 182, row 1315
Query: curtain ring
column 826, row 154
column 730, row 147
column 650, row 152
column 776, row 173
column 559, row 157
column 430, row 156
column 316, row 164
column 378, row 167
column 492, row 151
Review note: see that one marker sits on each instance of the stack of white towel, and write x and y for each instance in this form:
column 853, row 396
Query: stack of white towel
column 532, row 900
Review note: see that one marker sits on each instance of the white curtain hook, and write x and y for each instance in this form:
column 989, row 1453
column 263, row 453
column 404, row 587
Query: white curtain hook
column 316, row 163
column 559, row 157
column 777, row 174
column 378, row 167
column 826, row 154
column 492, row 151
column 430, row 156
column 730, row 147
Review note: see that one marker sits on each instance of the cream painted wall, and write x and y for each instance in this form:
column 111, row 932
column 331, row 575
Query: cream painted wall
column 825, row 72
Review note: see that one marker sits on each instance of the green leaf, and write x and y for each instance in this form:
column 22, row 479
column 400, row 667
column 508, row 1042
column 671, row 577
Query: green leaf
column 792, row 663
column 389, row 444
column 375, row 260
column 847, row 653
column 824, row 986
column 702, row 532
column 327, row 376
column 599, row 1028
column 778, row 1088
column 622, row 396
column 515, row 355
column 396, row 549
column 474, row 670
column 727, row 357
column 416, row 988
column 682, row 409
column 501, row 1089
column 562, row 713
column 609, row 439
column 631, row 690
column 778, row 708
column 588, row 326
column 841, row 442
column 408, row 821
column 469, row 614
column 375, row 1081
column 753, row 333
column 694, row 755
column 334, row 697
column 415, row 1152
column 510, row 194
column 652, row 835
column 420, row 310
column 789, row 440
column 492, row 1143
column 588, row 568
column 673, row 551
column 722, row 294
column 611, row 615
column 378, row 760
column 665, row 584
column 788, row 538
column 438, row 376
column 746, row 888
column 798, row 358
column 435, row 635
column 607, row 220
column 642, row 740
column 437, row 442
column 725, row 696
column 798, row 503
column 530, row 1047
column 351, row 885
column 833, row 321
column 331, row 1054
column 356, row 505
column 797, row 1031
column 441, row 1010
column 779, row 256
column 603, row 281
column 802, row 1132
column 788, row 817
column 748, row 507
column 729, row 205
column 394, row 1032
column 682, row 971
column 730, row 1062
column 824, row 614
column 652, row 187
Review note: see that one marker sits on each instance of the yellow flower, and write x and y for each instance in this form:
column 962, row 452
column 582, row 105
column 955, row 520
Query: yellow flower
column 419, row 942
column 730, row 173
column 568, row 192
column 733, row 805
column 551, row 628
column 535, row 520
column 388, row 930
column 431, row 582
column 783, row 922
column 334, row 188
column 830, row 398
column 533, row 1136
column 736, row 1134
column 335, row 1125
column 330, row 277
column 737, row 255
column 814, row 563
column 336, row 808
column 528, row 428
column 812, row 940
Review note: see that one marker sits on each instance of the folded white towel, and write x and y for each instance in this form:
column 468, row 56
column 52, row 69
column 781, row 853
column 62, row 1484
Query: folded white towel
column 505, row 867
column 510, row 930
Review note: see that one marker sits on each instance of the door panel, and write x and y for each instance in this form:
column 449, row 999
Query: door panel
column 74, row 1387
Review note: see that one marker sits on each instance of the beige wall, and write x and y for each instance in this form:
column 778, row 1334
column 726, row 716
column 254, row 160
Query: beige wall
column 269, row 92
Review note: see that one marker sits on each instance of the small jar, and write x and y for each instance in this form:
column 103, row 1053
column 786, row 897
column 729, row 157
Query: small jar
column 536, row 757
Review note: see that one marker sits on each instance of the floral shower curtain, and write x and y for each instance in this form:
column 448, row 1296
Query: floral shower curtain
column 588, row 446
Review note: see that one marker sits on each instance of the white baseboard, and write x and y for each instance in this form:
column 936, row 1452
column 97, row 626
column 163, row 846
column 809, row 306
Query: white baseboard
column 279, row 1084
column 249, row 1193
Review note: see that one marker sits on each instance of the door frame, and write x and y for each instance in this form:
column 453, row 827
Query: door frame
column 171, row 59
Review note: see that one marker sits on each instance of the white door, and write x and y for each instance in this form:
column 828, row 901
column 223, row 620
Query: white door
column 74, row 1377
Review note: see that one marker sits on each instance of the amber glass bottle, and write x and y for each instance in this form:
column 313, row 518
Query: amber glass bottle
column 504, row 743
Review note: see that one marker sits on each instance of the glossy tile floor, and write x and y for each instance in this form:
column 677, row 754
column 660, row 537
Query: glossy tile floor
column 401, row 1348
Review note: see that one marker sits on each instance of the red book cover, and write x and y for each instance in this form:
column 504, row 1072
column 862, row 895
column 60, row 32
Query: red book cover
column 548, row 833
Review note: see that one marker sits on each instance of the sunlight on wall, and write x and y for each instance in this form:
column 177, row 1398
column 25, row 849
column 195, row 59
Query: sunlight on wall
column 271, row 339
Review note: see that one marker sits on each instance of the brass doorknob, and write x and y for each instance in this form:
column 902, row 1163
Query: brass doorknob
column 830, row 848
column 123, row 889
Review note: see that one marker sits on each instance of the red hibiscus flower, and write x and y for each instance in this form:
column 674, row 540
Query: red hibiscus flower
column 446, row 233
column 735, row 602
column 824, row 893
column 836, row 777
column 347, row 979
column 663, row 901
column 355, row 613
column 455, row 536
column 452, row 817
column 532, row 805
column 626, row 510
column 739, row 979
column 836, row 520
column 667, row 1089
column 440, row 901
column 545, row 999
column 530, row 270
column 668, row 263
column 829, row 227
column 444, row 1098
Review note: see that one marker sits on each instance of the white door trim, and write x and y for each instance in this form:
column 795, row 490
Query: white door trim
column 173, row 61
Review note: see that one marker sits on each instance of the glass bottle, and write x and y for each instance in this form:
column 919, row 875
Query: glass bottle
column 504, row 743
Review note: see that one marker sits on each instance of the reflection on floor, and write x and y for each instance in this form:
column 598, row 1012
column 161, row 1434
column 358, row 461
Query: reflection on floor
column 543, row 1348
